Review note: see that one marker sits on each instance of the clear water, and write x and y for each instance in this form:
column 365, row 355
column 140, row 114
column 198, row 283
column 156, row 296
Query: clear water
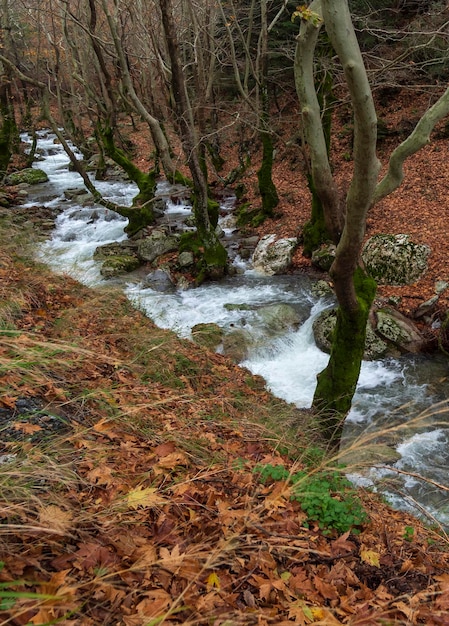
column 394, row 395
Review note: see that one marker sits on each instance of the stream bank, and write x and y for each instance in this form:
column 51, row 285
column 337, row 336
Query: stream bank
column 395, row 396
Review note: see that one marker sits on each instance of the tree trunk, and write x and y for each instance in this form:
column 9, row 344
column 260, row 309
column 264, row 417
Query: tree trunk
column 213, row 256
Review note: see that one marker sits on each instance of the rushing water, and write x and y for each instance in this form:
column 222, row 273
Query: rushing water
column 394, row 396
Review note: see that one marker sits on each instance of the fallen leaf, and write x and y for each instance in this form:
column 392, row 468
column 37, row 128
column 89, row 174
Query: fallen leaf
column 55, row 518
column 371, row 557
column 144, row 497
column 26, row 427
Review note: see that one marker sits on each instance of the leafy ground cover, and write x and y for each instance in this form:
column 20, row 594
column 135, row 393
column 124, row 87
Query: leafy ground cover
column 147, row 481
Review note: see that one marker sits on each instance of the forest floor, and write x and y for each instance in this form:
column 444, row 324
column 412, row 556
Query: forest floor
column 131, row 461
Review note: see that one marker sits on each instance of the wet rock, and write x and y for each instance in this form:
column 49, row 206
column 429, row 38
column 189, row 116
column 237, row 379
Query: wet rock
column 156, row 244
column 279, row 318
column 117, row 265
column 117, row 248
column 159, row 280
column 273, row 256
column 395, row 259
column 236, row 345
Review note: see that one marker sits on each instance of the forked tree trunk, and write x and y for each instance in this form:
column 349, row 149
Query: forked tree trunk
column 354, row 289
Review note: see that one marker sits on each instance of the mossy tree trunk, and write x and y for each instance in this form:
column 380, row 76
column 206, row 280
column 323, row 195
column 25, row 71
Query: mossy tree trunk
column 355, row 291
column 267, row 188
column 142, row 213
column 212, row 261
column 8, row 130
column 336, row 384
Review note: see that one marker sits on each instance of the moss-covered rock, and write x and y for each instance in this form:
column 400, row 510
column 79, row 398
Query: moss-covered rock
column 395, row 259
column 207, row 335
column 30, row 176
column 117, row 265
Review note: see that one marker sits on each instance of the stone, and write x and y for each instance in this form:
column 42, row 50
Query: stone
column 279, row 318
column 398, row 330
column 236, row 345
column 159, row 280
column 322, row 289
column 273, row 256
column 441, row 286
column 156, row 244
column 117, row 248
column 426, row 307
column 324, row 256
column 395, row 259
column 185, row 259
column 117, row 265
column 207, row 335
column 30, row 176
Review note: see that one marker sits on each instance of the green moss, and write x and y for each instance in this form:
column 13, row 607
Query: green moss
column 314, row 232
column 267, row 189
column 31, row 176
column 115, row 265
column 337, row 382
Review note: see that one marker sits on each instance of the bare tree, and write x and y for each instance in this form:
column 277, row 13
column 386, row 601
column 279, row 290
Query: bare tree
column 213, row 256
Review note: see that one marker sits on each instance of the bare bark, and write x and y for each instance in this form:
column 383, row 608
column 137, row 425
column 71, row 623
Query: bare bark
column 321, row 172
column 417, row 140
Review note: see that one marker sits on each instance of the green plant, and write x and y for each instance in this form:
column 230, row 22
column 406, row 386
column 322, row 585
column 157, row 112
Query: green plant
column 409, row 533
column 325, row 496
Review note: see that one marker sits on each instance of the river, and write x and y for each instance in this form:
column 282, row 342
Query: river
column 401, row 402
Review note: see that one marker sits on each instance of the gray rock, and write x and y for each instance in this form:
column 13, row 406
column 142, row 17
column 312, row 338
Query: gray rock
column 273, row 257
column 117, row 265
column 322, row 289
column 156, row 244
column 159, row 280
column 185, row 259
column 427, row 307
column 279, row 318
column 441, row 286
column 394, row 259
column 118, row 248
column 396, row 329
column 393, row 335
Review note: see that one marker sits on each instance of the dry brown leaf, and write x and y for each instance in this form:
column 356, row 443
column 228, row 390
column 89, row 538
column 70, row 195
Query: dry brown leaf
column 26, row 427
column 55, row 518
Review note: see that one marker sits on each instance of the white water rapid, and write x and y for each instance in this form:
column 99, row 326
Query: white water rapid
column 390, row 395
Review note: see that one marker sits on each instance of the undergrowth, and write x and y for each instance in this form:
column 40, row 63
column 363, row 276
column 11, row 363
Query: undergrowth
column 327, row 497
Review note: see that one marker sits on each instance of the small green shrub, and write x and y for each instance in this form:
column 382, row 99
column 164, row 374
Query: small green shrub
column 327, row 497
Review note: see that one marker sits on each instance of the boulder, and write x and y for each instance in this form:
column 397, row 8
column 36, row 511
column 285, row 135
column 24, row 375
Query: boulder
column 207, row 335
column 394, row 259
column 399, row 331
column 322, row 289
column 117, row 265
column 117, row 248
column 30, row 176
column 279, row 318
column 236, row 345
column 185, row 259
column 157, row 243
column 273, row 256
column 393, row 334
column 159, row 280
